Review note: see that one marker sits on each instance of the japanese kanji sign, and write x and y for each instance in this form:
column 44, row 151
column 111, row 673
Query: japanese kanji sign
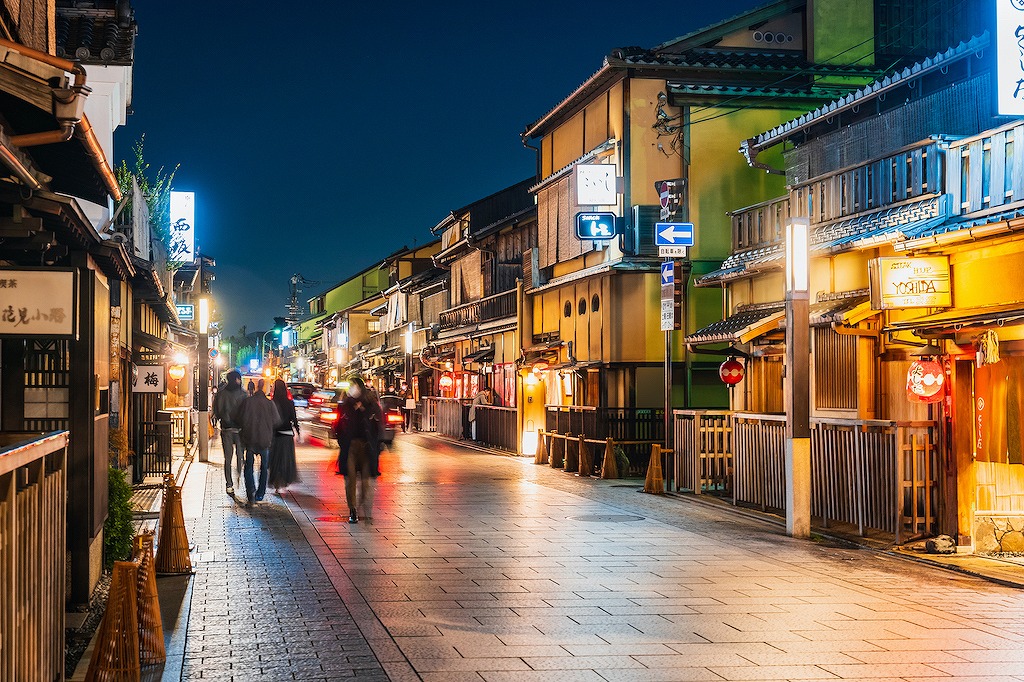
column 148, row 379
column 37, row 302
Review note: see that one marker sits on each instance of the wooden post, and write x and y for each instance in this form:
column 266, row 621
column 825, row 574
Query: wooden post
column 610, row 468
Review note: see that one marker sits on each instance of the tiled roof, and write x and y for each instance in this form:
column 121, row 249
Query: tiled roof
column 879, row 87
column 96, row 32
column 886, row 225
column 735, row 328
column 833, row 308
column 958, row 224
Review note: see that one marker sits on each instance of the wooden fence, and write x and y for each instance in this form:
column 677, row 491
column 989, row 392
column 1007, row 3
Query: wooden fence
column 425, row 416
column 871, row 474
column 496, row 426
column 452, row 417
column 33, row 491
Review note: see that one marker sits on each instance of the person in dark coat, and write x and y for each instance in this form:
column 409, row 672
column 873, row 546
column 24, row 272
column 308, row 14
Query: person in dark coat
column 358, row 434
column 224, row 405
column 256, row 417
column 283, row 471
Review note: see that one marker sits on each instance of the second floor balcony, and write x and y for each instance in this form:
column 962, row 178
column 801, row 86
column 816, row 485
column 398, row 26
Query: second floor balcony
column 496, row 307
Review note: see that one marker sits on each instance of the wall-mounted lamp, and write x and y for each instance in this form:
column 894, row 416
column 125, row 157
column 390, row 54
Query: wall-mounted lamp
column 529, row 444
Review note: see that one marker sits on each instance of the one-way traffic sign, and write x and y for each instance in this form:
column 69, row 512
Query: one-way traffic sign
column 673, row 234
column 668, row 275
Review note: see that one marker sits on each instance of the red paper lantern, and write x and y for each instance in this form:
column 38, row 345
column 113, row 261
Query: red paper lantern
column 446, row 381
column 925, row 380
column 731, row 371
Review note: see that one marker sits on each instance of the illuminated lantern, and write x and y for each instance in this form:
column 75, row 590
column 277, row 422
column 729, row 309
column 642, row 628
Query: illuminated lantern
column 731, row 371
column 540, row 366
column 925, row 380
column 176, row 372
column 446, row 382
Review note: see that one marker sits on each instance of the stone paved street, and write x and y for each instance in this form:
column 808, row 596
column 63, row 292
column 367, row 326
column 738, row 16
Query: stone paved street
column 479, row 567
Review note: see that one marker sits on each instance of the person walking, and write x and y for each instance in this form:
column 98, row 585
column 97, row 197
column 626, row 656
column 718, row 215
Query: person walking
column 256, row 417
column 283, row 471
column 483, row 397
column 358, row 434
column 225, row 403
column 251, row 388
column 405, row 393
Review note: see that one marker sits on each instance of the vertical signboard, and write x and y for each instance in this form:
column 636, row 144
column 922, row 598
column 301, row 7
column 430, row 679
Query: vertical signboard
column 1010, row 57
column 183, row 234
column 670, row 297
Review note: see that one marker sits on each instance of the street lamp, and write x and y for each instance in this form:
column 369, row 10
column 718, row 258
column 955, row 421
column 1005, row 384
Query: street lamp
column 276, row 332
column 798, row 394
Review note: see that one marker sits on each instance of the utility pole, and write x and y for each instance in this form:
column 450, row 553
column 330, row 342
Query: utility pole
column 204, row 365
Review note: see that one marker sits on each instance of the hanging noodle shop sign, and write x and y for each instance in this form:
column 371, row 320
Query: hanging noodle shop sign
column 38, row 302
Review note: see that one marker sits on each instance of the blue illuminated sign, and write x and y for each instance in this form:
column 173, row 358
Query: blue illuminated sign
column 595, row 226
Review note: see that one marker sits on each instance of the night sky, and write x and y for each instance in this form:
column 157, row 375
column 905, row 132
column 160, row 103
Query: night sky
column 322, row 141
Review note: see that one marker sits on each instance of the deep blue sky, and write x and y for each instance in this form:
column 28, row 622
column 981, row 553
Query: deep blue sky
column 321, row 141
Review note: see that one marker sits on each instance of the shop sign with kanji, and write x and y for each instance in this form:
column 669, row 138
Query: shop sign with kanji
column 38, row 302
column 148, row 379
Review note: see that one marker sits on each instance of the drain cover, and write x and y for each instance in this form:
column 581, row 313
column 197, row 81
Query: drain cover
column 606, row 518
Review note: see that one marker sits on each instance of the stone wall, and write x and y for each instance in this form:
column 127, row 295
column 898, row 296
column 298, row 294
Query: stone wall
column 994, row 534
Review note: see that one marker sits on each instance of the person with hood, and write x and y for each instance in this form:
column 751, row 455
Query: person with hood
column 224, row 404
column 256, row 417
column 358, row 433
column 283, row 471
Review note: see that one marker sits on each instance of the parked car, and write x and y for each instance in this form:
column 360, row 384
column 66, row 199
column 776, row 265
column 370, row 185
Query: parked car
column 300, row 392
column 391, row 405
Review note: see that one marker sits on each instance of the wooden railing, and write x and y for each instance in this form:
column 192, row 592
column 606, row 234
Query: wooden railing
column 452, row 417
column 33, row 492
column 493, row 307
column 634, row 428
column 426, row 414
column 760, row 225
column 496, row 426
column 871, row 474
column 705, row 463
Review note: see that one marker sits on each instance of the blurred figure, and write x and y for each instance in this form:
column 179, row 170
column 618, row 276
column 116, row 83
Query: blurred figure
column 283, row 470
column 225, row 403
column 483, row 397
column 256, row 416
column 358, row 434
column 251, row 387
column 405, row 393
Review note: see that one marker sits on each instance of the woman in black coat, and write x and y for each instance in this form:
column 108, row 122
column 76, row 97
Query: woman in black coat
column 283, row 470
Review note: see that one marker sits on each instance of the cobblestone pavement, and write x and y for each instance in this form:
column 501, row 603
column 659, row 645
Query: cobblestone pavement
column 480, row 567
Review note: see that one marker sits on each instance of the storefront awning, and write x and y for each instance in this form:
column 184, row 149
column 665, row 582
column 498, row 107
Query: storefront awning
column 958, row 319
column 481, row 356
column 841, row 310
column 743, row 326
column 387, row 369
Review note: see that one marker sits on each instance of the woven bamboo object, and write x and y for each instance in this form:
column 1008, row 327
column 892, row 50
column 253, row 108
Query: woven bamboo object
column 116, row 656
column 610, row 468
column 572, row 455
column 586, row 461
column 655, row 482
column 151, row 629
column 172, row 554
column 556, row 453
column 542, row 449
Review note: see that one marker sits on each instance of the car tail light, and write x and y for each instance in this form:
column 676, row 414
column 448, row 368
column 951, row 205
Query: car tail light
column 313, row 400
column 393, row 418
column 330, row 416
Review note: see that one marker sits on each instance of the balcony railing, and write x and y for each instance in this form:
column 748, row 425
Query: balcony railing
column 33, row 490
column 494, row 307
column 984, row 170
column 760, row 225
column 870, row 474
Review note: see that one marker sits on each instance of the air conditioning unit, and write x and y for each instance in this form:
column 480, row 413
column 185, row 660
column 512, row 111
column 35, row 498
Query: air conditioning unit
column 638, row 239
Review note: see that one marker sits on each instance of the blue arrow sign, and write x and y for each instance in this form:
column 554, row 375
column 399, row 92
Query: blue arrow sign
column 668, row 275
column 596, row 226
column 673, row 234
